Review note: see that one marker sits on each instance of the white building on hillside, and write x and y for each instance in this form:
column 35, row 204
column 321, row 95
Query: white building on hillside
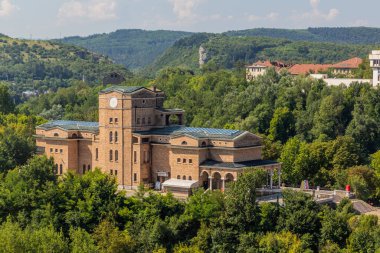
column 374, row 60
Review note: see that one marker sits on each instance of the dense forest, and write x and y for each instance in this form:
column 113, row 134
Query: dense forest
column 137, row 49
column 345, row 35
column 42, row 66
column 132, row 48
column 221, row 52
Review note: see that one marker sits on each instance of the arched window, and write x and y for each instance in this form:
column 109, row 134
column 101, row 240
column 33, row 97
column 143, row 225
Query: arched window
column 96, row 153
column 74, row 136
column 111, row 136
column 178, row 177
column 204, row 144
column 190, row 178
column 116, row 155
column 84, row 169
column 60, row 169
column 111, row 156
column 184, row 177
column 184, row 143
column 56, row 134
column 116, row 136
column 89, row 167
column 56, row 169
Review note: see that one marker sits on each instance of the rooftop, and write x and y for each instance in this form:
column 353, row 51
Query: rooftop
column 71, row 125
column 237, row 165
column 352, row 63
column 299, row 69
column 196, row 132
column 122, row 89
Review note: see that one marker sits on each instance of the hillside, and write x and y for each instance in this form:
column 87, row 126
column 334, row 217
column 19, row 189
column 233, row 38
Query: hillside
column 132, row 48
column 44, row 65
column 222, row 51
column 346, row 35
column 137, row 49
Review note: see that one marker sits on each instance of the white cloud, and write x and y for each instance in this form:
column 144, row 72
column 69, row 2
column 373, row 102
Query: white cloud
column 7, row 8
column 88, row 9
column 316, row 14
column 272, row 16
column 184, row 9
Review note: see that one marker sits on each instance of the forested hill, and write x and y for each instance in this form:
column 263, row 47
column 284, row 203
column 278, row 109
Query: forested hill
column 347, row 35
column 44, row 65
column 222, row 51
column 133, row 48
column 137, row 49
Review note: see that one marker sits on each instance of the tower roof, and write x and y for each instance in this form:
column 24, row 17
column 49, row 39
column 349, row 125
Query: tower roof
column 122, row 89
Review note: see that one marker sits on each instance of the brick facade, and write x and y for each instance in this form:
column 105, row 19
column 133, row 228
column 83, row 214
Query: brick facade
column 136, row 142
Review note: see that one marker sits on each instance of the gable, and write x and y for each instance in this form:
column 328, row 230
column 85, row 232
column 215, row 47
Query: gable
column 247, row 139
column 143, row 93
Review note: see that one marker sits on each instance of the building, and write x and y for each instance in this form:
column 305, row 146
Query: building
column 374, row 61
column 347, row 67
column 138, row 141
column 260, row 67
column 305, row 69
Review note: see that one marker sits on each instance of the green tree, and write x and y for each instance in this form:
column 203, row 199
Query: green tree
column 282, row 125
column 6, row 101
column 280, row 243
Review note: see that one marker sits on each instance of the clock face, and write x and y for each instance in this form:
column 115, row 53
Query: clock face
column 113, row 102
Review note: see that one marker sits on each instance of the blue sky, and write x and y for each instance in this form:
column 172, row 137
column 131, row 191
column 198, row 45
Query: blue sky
column 55, row 18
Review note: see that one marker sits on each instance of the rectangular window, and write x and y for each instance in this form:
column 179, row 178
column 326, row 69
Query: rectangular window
column 116, row 120
column 111, row 172
column 111, row 155
column 135, row 177
column 115, row 172
column 143, row 121
column 138, row 121
column 191, row 161
column 56, row 150
column 51, row 150
column 134, row 156
column 116, row 155
column 111, row 120
column 61, row 151
column 178, row 160
column 184, row 160
column 96, row 154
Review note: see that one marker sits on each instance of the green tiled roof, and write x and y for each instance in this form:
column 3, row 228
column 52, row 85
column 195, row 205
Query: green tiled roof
column 237, row 165
column 71, row 125
column 197, row 132
column 122, row 89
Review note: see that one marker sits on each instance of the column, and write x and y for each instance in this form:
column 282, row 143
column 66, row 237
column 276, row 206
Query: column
column 210, row 184
column 223, row 183
column 279, row 178
column 271, row 178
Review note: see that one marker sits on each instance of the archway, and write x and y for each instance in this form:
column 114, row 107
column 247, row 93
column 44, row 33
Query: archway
column 216, row 181
column 205, row 180
column 228, row 179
